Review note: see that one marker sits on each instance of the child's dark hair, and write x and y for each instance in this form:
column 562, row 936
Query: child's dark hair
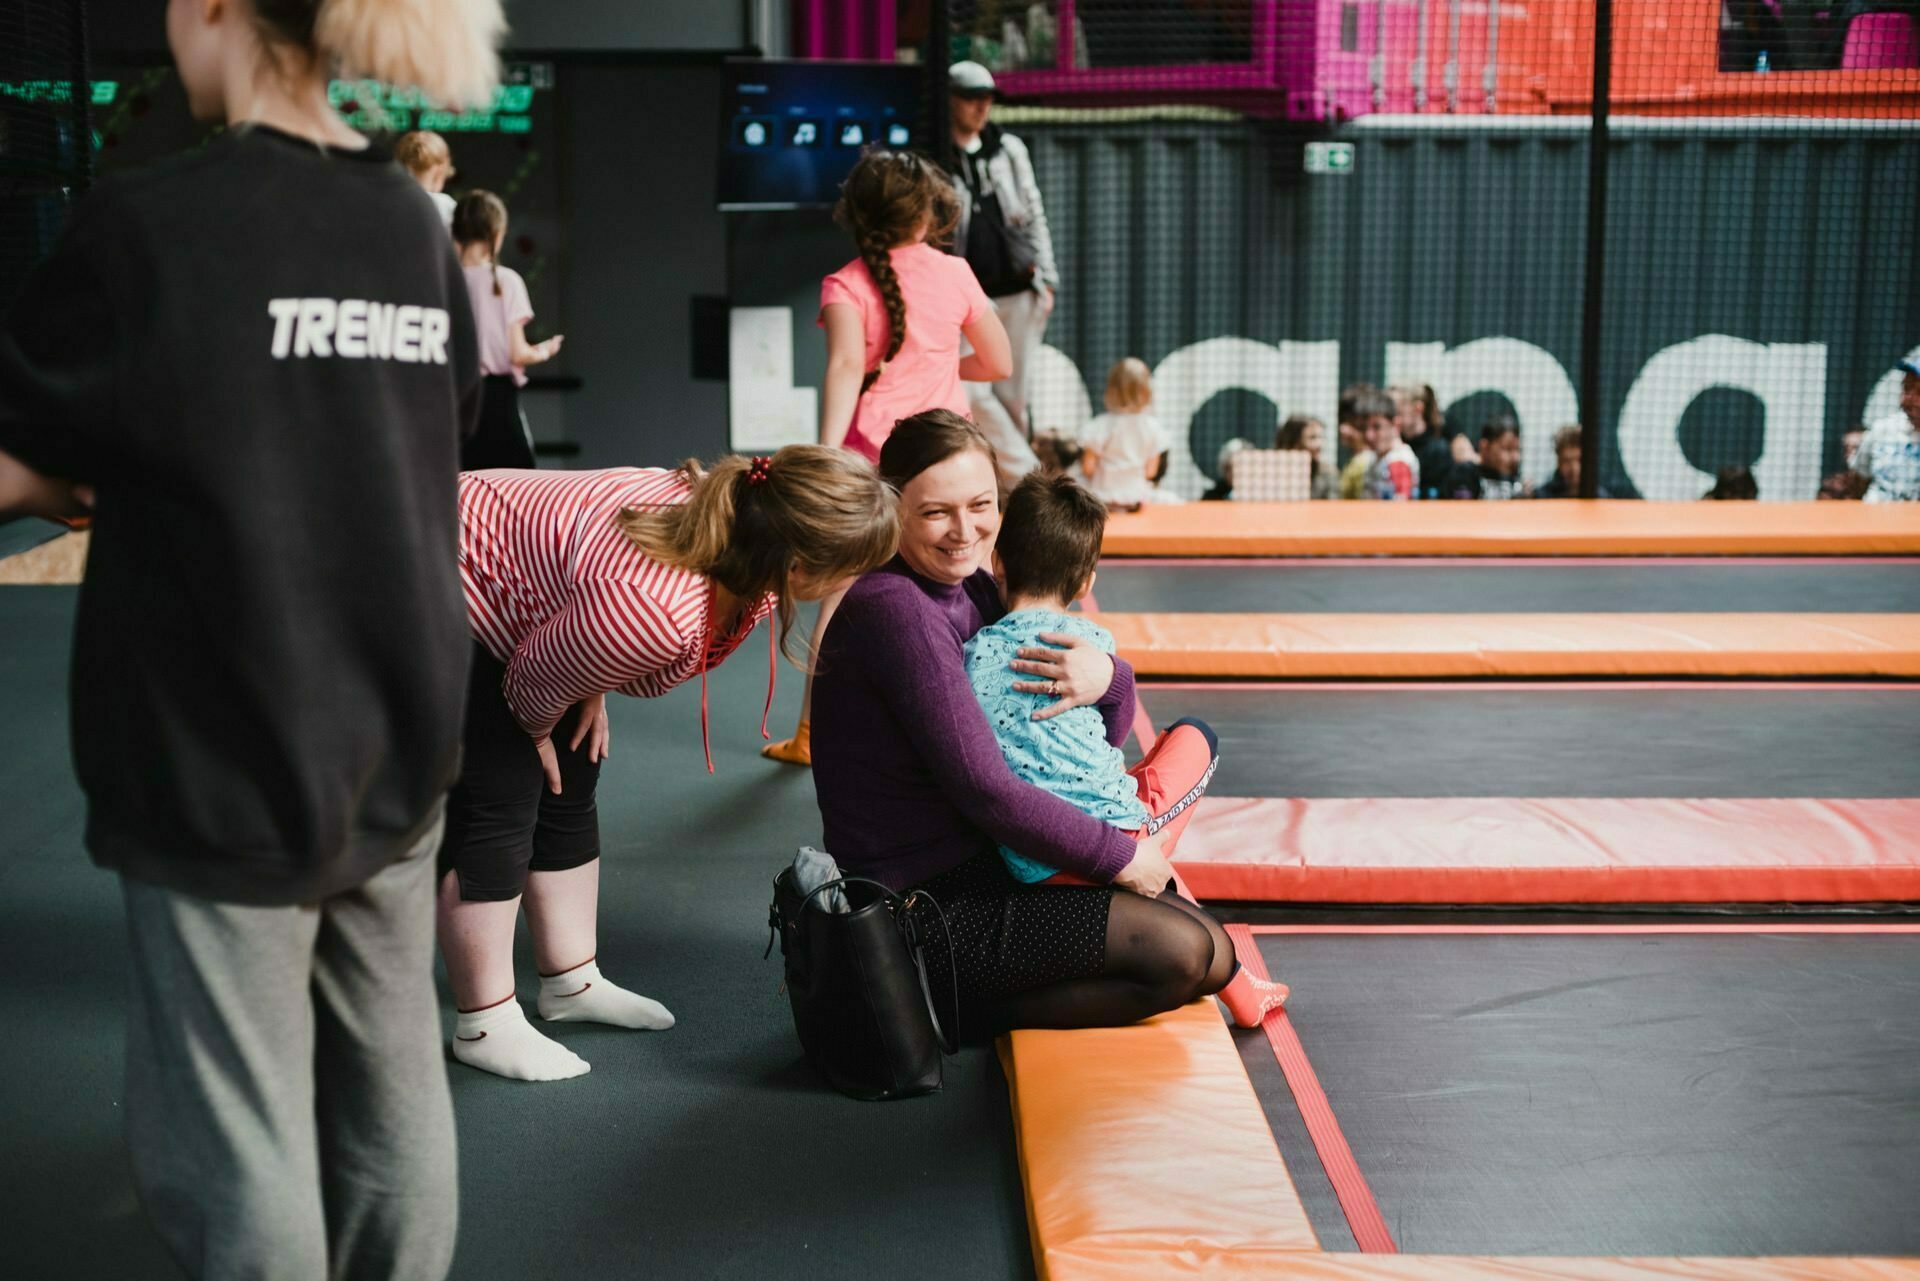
column 1361, row 402
column 1499, row 427
column 480, row 218
column 886, row 197
column 1050, row 537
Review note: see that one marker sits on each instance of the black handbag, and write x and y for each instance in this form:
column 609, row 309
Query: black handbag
column 858, row 984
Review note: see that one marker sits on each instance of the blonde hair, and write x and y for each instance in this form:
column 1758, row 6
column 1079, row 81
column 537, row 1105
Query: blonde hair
column 1129, row 386
column 422, row 151
column 445, row 48
column 822, row 510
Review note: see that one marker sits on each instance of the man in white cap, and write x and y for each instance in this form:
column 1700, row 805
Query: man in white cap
column 1003, row 236
column 1890, row 455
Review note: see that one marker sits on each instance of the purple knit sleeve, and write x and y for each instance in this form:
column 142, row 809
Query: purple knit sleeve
column 1116, row 705
column 916, row 662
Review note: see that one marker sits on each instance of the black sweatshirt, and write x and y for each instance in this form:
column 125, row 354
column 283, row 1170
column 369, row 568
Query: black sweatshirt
column 262, row 356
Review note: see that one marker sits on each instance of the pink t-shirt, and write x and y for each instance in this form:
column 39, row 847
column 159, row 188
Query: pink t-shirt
column 494, row 314
column 942, row 298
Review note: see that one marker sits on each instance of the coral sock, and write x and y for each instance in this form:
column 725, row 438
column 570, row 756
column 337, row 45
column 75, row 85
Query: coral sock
column 1249, row 1000
column 498, row 1039
column 797, row 750
column 583, row 995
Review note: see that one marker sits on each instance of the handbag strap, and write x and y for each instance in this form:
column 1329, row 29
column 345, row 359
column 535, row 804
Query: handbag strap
column 902, row 911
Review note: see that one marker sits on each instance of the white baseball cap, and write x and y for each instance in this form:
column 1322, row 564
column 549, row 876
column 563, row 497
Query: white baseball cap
column 969, row 78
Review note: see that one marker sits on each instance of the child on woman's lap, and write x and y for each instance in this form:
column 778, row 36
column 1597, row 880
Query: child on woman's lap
column 1048, row 545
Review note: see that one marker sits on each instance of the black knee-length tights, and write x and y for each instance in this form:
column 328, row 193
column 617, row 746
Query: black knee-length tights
column 1161, row 953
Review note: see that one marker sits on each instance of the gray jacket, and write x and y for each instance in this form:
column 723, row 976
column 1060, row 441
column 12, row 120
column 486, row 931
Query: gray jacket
column 1010, row 169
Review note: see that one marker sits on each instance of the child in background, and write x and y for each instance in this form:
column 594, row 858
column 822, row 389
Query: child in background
column 1393, row 473
column 894, row 318
column 1353, row 438
column 1308, row 435
column 1048, row 545
column 426, row 157
column 1492, row 472
column 501, row 310
column 1222, row 490
column 258, row 356
column 1120, row 450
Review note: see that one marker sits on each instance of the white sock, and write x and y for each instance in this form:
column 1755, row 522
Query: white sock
column 499, row 1039
column 583, row 995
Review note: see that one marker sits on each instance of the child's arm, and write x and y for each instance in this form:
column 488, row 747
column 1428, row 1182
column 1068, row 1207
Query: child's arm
column 1090, row 460
column 846, row 367
column 524, row 353
column 992, row 357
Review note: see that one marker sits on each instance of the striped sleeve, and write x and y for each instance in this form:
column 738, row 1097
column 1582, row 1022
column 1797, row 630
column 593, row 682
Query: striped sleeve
column 610, row 635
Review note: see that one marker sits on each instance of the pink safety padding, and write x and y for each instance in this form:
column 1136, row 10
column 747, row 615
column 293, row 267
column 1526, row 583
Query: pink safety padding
column 1609, row 850
column 1881, row 42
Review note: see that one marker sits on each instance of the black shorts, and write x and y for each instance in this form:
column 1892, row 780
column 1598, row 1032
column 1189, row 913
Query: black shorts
column 501, row 439
column 502, row 822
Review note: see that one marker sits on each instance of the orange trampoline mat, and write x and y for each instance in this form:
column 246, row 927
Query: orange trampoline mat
column 1146, row 1155
column 1606, row 850
column 1564, row 528
column 1456, row 646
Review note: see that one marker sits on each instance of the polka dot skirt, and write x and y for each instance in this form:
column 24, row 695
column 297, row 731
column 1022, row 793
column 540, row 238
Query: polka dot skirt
column 1009, row 937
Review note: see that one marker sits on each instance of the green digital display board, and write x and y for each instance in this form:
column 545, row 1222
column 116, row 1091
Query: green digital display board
column 365, row 104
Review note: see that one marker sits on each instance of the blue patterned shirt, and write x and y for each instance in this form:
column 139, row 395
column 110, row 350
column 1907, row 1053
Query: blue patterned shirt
column 1067, row 755
column 1890, row 457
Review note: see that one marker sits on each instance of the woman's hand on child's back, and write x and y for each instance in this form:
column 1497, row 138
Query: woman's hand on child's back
column 1071, row 670
column 1148, row 873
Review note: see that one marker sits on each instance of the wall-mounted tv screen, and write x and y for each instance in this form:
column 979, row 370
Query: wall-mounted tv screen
column 792, row 130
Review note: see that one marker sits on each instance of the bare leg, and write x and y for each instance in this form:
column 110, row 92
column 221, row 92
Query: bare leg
column 477, row 940
column 798, row 750
column 562, row 914
column 563, row 911
column 492, row 1032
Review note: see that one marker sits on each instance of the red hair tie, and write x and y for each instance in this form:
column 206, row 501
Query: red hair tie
column 759, row 469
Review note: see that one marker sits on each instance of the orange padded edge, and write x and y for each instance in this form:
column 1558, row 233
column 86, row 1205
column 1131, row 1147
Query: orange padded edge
column 1597, row 528
column 1121, row 1264
column 1468, row 850
column 1425, row 646
column 1148, row 1141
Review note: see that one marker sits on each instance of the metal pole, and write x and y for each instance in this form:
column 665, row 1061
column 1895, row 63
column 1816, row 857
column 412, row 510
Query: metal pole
column 82, row 92
column 939, row 56
column 1591, row 329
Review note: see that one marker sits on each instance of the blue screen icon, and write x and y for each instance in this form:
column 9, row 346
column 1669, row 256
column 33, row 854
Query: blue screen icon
column 898, row 135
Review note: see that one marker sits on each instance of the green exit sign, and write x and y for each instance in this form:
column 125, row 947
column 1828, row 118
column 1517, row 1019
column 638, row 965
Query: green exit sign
column 1330, row 157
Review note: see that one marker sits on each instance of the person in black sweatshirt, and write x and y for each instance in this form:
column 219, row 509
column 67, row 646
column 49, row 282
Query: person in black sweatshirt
column 256, row 362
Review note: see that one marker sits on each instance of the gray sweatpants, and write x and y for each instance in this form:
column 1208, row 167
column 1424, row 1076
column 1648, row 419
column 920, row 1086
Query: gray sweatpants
column 1000, row 409
column 287, row 1105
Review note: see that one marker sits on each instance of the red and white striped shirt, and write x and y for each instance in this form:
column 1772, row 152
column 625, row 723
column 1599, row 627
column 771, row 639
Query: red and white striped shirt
column 557, row 593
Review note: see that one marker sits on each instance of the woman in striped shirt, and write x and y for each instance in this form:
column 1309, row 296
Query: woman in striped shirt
column 579, row 584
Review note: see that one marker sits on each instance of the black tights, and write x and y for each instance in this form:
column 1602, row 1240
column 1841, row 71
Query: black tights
column 1161, row 953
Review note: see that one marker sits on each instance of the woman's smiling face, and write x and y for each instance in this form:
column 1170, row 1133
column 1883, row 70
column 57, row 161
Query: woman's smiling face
column 949, row 515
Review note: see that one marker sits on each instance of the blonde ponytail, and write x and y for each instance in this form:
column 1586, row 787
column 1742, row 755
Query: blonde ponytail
column 822, row 510
column 445, row 48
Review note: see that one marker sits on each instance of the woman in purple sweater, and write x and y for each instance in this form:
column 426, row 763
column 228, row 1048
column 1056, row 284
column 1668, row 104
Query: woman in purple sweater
column 914, row 792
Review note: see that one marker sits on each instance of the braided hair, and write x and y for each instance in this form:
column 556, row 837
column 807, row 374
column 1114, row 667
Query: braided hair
column 887, row 198
column 479, row 219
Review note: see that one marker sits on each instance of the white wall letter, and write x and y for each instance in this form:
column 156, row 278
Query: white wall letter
column 1298, row 377
column 1530, row 377
column 1790, row 381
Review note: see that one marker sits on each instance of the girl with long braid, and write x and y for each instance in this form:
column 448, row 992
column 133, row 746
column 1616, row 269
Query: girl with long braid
column 501, row 310
column 895, row 317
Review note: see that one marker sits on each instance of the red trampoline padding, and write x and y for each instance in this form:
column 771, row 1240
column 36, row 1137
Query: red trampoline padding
column 1478, row 850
